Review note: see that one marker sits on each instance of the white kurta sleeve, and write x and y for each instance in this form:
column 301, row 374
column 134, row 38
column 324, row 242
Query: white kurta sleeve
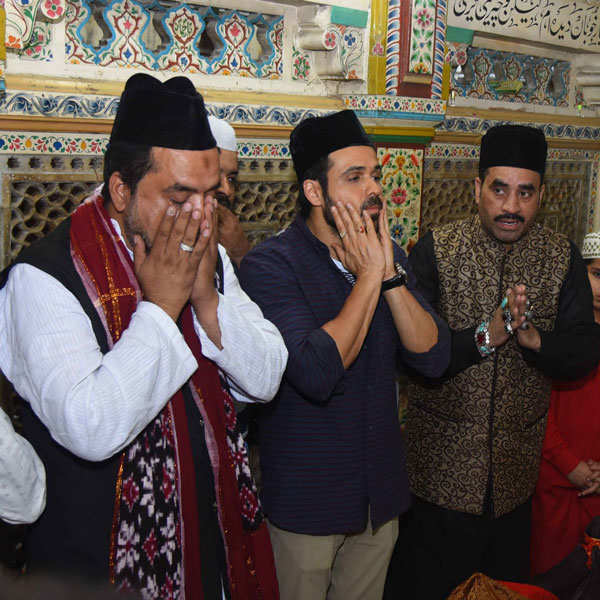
column 93, row 404
column 254, row 355
column 22, row 477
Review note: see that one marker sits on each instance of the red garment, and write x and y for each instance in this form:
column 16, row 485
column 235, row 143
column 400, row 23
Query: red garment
column 108, row 276
column 531, row 592
column 559, row 515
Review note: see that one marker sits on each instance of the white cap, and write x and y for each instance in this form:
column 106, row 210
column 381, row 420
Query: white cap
column 223, row 133
column 591, row 245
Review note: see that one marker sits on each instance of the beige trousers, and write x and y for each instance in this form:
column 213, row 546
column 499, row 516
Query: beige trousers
column 333, row 567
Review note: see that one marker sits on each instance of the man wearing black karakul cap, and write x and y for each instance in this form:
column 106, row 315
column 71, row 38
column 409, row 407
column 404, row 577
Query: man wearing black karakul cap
column 342, row 295
column 126, row 331
column 518, row 302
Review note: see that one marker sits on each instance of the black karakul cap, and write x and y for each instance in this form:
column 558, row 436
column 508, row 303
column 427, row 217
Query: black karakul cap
column 514, row 146
column 170, row 114
column 316, row 137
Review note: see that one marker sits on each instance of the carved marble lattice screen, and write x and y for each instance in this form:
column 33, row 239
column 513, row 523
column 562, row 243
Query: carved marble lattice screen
column 40, row 191
column 448, row 194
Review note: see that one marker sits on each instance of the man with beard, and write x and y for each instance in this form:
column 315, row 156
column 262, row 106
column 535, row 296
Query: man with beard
column 518, row 302
column 126, row 331
column 342, row 295
column 231, row 234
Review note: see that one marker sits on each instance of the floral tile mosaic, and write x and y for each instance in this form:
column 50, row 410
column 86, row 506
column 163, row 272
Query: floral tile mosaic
column 441, row 150
column 392, row 49
column 401, row 182
column 451, row 151
column 301, row 69
column 18, row 143
column 486, row 73
column 423, row 106
column 23, row 143
column 265, row 115
column 58, row 105
column 22, row 17
column 422, row 36
column 438, row 54
column 38, row 47
column 105, row 107
column 479, row 126
column 175, row 37
column 263, row 150
column 348, row 42
column 427, row 38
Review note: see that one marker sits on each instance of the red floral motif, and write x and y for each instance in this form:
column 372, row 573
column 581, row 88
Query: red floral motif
column 378, row 50
column 330, row 39
column 13, row 42
column 424, row 18
column 52, row 9
column 414, row 159
column 131, row 492
column 150, row 547
column 399, row 196
column 235, row 30
column 386, row 159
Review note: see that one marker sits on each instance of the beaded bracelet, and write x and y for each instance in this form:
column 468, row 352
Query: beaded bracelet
column 482, row 338
column 507, row 316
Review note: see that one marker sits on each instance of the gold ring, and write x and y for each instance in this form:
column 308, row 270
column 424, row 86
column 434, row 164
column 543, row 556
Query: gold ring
column 342, row 235
column 185, row 247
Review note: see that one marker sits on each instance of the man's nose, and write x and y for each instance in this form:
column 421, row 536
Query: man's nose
column 374, row 187
column 511, row 202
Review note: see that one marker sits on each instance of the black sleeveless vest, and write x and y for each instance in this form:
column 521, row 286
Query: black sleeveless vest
column 73, row 533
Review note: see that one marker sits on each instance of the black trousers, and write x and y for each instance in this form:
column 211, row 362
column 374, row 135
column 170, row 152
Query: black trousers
column 441, row 548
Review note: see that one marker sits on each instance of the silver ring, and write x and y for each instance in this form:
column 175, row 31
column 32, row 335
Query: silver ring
column 342, row 235
column 186, row 248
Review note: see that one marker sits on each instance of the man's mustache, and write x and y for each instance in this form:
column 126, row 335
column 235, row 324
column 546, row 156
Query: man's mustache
column 373, row 202
column 509, row 217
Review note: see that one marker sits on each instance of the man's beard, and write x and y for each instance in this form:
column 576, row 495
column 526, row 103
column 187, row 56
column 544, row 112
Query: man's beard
column 373, row 201
column 133, row 226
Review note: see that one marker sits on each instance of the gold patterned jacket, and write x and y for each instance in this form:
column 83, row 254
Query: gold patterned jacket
column 490, row 417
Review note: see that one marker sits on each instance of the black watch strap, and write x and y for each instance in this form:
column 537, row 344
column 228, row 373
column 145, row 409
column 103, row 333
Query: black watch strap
column 396, row 281
column 392, row 282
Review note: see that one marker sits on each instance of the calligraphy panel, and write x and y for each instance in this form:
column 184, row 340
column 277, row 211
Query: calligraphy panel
column 573, row 23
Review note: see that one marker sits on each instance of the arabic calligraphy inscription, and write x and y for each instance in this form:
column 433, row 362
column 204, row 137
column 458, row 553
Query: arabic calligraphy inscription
column 574, row 23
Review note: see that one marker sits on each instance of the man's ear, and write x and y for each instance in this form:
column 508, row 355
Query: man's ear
column 313, row 192
column 477, row 190
column 119, row 192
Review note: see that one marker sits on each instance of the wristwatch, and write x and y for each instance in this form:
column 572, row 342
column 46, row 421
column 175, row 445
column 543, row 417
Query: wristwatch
column 396, row 281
